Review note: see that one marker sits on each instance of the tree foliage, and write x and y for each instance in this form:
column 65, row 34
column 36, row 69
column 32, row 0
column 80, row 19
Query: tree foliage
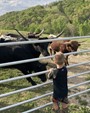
column 73, row 15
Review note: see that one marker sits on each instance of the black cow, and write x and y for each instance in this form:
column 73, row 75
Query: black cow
column 22, row 52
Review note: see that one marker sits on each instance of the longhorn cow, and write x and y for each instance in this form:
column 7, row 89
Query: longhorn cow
column 19, row 37
column 22, row 52
column 64, row 46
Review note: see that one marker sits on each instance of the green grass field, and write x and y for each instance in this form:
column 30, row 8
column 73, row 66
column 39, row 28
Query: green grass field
column 22, row 83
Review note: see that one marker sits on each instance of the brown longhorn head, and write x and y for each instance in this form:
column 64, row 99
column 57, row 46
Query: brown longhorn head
column 72, row 46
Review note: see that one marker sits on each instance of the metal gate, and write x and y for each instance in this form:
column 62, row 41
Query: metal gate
column 46, row 71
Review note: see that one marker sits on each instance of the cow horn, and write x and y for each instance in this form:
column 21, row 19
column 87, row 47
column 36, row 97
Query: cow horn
column 26, row 39
column 40, row 33
column 60, row 33
column 82, row 41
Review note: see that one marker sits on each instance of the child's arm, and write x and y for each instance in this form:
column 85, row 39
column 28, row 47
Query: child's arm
column 50, row 74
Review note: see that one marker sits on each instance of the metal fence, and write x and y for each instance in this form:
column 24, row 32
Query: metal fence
column 38, row 73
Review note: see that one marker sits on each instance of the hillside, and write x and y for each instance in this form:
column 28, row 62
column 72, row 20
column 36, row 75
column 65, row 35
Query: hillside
column 72, row 15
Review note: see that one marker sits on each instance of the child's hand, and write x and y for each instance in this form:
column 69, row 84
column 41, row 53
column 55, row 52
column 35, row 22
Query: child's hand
column 50, row 70
column 50, row 73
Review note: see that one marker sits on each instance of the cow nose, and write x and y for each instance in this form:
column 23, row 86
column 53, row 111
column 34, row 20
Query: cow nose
column 75, row 54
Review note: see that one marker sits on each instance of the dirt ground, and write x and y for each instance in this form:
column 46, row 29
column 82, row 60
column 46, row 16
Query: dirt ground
column 83, row 99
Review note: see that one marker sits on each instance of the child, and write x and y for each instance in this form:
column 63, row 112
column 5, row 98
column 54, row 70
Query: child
column 60, row 88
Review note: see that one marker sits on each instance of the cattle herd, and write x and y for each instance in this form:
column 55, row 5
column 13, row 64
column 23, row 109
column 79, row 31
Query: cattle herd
column 29, row 51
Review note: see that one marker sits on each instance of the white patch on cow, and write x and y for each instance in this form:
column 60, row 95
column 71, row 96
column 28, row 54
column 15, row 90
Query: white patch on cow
column 7, row 38
column 52, row 36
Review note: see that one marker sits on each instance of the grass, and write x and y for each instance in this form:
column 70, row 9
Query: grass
column 79, row 109
column 22, row 83
column 15, row 98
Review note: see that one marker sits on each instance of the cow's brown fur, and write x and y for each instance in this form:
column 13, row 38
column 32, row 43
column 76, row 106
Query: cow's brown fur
column 64, row 47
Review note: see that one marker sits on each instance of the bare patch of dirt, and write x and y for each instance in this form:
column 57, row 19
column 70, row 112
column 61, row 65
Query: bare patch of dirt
column 83, row 99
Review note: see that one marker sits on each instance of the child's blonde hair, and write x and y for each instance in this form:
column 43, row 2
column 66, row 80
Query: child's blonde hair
column 59, row 58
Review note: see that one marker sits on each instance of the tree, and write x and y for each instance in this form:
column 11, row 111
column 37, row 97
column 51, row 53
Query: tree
column 61, row 9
